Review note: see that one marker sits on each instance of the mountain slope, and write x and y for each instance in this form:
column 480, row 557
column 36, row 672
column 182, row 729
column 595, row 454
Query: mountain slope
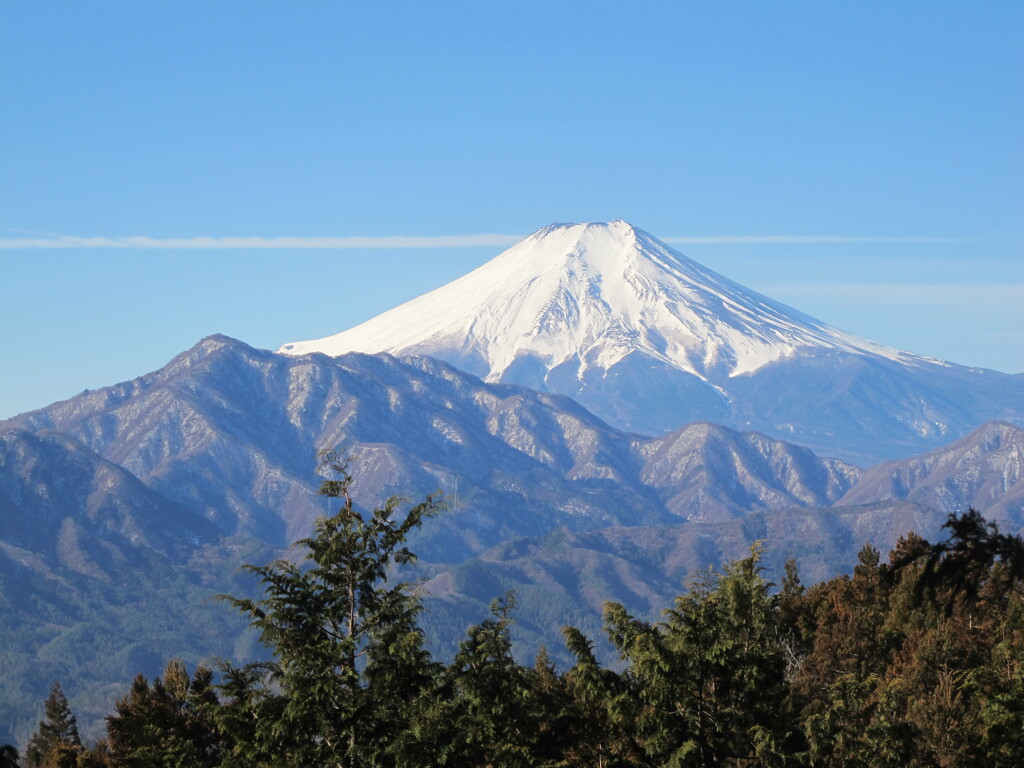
column 984, row 470
column 125, row 508
column 570, row 575
column 65, row 503
column 101, row 578
column 231, row 432
column 649, row 340
column 704, row 472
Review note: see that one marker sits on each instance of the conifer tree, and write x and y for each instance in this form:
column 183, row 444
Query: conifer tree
column 602, row 712
column 484, row 714
column 710, row 678
column 918, row 663
column 851, row 650
column 962, row 565
column 551, row 705
column 338, row 630
column 166, row 723
column 57, row 732
column 1002, row 683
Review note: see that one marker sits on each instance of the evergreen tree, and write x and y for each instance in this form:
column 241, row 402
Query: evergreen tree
column 339, row 632
column 551, row 705
column 710, row 678
column 57, row 733
column 1001, row 686
column 918, row 663
column 248, row 702
column 598, row 728
column 963, row 564
column 484, row 714
column 795, row 623
column 851, row 649
column 168, row 724
column 951, row 695
column 400, row 680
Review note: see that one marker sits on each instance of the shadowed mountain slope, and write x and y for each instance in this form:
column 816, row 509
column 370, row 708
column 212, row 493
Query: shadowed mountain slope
column 984, row 470
column 567, row 576
column 231, row 432
column 61, row 501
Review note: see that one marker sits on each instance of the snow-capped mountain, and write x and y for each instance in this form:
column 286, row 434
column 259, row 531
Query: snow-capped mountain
column 582, row 297
column 649, row 339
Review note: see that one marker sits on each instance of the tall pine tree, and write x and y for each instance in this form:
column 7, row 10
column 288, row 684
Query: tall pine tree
column 485, row 713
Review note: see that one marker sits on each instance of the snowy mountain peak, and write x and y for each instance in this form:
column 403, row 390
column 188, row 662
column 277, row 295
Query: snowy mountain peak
column 574, row 299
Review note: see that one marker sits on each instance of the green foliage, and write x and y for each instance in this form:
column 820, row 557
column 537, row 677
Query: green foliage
column 597, row 723
column 57, row 733
column 709, row 679
column 483, row 713
column 964, row 564
column 167, row 724
column 915, row 662
column 1000, row 683
column 340, row 634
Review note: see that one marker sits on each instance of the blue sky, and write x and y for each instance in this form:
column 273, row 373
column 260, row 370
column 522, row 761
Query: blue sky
column 863, row 162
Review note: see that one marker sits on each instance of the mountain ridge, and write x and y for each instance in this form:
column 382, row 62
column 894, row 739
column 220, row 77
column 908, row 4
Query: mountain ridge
column 649, row 340
column 252, row 419
column 541, row 490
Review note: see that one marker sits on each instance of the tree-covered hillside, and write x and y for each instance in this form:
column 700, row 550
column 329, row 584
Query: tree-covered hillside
column 914, row 660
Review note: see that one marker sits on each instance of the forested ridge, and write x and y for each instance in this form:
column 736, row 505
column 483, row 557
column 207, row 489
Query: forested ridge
column 916, row 659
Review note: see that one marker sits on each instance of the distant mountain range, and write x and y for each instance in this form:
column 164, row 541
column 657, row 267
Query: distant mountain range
column 650, row 340
column 124, row 510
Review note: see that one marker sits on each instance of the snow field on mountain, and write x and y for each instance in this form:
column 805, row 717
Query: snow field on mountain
column 595, row 293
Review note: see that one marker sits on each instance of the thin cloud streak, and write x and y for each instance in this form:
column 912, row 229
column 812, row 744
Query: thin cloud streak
column 227, row 243
column 951, row 294
column 401, row 241
column 799, row 239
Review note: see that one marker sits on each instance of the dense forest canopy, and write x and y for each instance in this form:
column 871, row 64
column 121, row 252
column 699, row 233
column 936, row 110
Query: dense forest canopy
column 915, row 660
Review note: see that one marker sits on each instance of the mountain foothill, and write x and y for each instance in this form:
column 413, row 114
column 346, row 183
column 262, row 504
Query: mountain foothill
column 605, row 417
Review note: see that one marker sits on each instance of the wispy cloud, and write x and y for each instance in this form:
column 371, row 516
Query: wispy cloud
column 222, row 243
column 949, row 294
column 403, row 241
column 799, row 239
